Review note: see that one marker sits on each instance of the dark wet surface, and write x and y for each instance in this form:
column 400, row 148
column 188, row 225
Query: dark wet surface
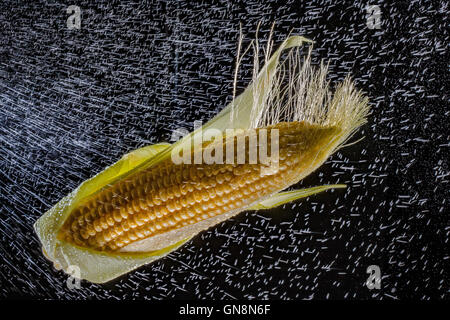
column 74, row 101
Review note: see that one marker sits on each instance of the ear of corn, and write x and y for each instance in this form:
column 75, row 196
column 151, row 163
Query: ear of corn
column 137, row 211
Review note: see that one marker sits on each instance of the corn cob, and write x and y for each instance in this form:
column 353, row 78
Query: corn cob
column 171, row 196
column 146, row 205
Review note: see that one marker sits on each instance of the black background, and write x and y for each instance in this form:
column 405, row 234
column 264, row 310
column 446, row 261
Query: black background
column 74, row 101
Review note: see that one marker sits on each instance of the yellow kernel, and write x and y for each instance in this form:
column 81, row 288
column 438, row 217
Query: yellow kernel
column 184, row 215
column 171, row 221
column 156, row 200
column 138, row 219
column 107, row 236
column 132, row 236
column 171, row 206
column 211, row 205
column 183, row 189
column 197, row 196
column 91, row 231
column 177, row 205
column 74, row 226
column 139, row 233
column 131, row 223
column 109, row 220
column 117, row 216
column 197, row 209
column 84, row 234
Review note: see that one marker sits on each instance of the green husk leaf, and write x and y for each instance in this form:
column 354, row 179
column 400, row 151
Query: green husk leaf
column 288, row 196
column 100, row 267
